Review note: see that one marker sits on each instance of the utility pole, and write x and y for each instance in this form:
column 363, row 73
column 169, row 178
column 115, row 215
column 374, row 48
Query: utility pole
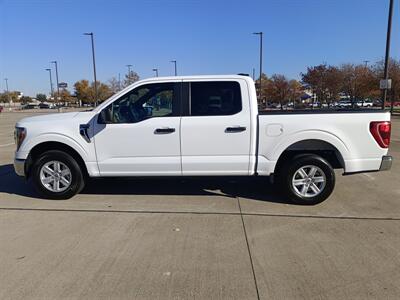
column 174, row 62
column 51, row 83
column 261, row 44
column 94, row 67
column 254, row 73
column 366, row 63
column 119, row 81
column 387, row 54
column 129, row 73
column 58, row 88
column 156, row 70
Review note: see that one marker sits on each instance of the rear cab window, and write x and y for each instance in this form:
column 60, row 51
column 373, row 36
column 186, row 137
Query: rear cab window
column 215, row 98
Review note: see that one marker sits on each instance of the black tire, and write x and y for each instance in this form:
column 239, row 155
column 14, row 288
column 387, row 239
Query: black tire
column 287, row 173
column 77, row 182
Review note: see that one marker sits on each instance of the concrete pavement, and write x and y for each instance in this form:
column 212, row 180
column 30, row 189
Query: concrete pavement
column 204, row 239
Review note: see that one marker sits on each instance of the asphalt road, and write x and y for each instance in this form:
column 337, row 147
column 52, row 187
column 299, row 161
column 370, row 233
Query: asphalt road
column 203, row 239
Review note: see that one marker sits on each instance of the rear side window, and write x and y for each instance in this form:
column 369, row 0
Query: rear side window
column 218, row 98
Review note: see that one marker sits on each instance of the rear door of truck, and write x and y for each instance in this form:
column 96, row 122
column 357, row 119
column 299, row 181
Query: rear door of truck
column 215, row 127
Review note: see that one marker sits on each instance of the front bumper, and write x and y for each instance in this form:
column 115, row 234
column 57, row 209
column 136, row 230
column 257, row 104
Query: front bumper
column 19, row 167
column 386, row 163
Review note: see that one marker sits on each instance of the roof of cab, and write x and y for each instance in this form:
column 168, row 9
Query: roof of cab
column 194, row 77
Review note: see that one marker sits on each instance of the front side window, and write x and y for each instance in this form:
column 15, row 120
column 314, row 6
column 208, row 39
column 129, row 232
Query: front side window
column 218, row 98
column 144, row 102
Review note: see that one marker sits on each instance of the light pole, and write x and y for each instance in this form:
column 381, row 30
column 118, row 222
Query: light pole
column 174, row 62
column 129, row 73
column 58, row 88
column 366, row 63
column 261, row 44
column 8, row 93
column 51, row 83
column 94, row 67
column 386, row 72
column 156, row 70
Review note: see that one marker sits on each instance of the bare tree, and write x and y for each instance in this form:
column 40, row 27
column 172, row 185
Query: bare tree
column 114, row 85
column 130, row 78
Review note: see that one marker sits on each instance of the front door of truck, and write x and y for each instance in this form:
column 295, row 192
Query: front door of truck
column 215, row 129
column 139, row 133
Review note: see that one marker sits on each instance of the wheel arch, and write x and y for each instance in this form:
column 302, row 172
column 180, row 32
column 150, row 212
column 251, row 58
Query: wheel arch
column 40, row 148
column 318, row 147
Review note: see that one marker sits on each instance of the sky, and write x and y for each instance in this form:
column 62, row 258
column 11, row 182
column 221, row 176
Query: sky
column 204, row 36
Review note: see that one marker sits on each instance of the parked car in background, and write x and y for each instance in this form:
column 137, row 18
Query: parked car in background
column 365, row 103
column 200, row 126
column 344, row 104
column 44, row 106
column 28, row 106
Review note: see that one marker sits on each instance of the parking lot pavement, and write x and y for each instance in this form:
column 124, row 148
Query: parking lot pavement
column 126, row 256
column 308, row 258
column 179, row 239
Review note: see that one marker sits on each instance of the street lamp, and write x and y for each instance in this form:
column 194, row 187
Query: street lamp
column 261, row 44
column 156, row 70
column 386, row 72
column 8, row 94
column 51, row 83
column 94, row 67
column 129, row 73
column 58, row 88
column 174, row 62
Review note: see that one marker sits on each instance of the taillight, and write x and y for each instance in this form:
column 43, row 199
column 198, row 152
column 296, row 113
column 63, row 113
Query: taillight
column 381, row 132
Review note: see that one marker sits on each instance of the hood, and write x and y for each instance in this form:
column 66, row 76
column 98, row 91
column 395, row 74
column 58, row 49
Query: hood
column 56, row 117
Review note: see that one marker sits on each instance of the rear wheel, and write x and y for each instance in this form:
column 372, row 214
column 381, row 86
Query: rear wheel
column 307, row 179
column 56, row 175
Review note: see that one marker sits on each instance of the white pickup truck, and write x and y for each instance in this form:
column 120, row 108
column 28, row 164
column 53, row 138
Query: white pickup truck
column 200, row 126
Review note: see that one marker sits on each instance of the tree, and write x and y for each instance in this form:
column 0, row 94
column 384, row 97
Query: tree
column 130, row 78
column 394, row 74
column 278, row 89
column 66, row 96
column 359, row 82
column 114, row 85
column 10, row 96
column 325, row 82
column 83, row 91
column 333, row 82
column 25, row 99
column 41, row 97
column 264, row 82
column 103, row 91
column 295, row 91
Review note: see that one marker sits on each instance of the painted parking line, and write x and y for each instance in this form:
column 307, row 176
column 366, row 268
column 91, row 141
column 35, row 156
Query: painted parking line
column 5, row 145
column 369, row 176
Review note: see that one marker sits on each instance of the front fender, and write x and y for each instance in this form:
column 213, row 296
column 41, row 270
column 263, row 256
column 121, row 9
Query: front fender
column 27, row 146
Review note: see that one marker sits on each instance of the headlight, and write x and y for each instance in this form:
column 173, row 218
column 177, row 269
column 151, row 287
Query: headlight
column 19, row 136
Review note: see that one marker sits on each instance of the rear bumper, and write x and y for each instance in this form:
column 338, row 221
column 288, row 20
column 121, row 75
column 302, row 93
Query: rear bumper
column 19, row 167
column 386, row 163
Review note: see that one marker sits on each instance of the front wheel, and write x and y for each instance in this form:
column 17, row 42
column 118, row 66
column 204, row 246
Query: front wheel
column 307, row 179
column 56, row 175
